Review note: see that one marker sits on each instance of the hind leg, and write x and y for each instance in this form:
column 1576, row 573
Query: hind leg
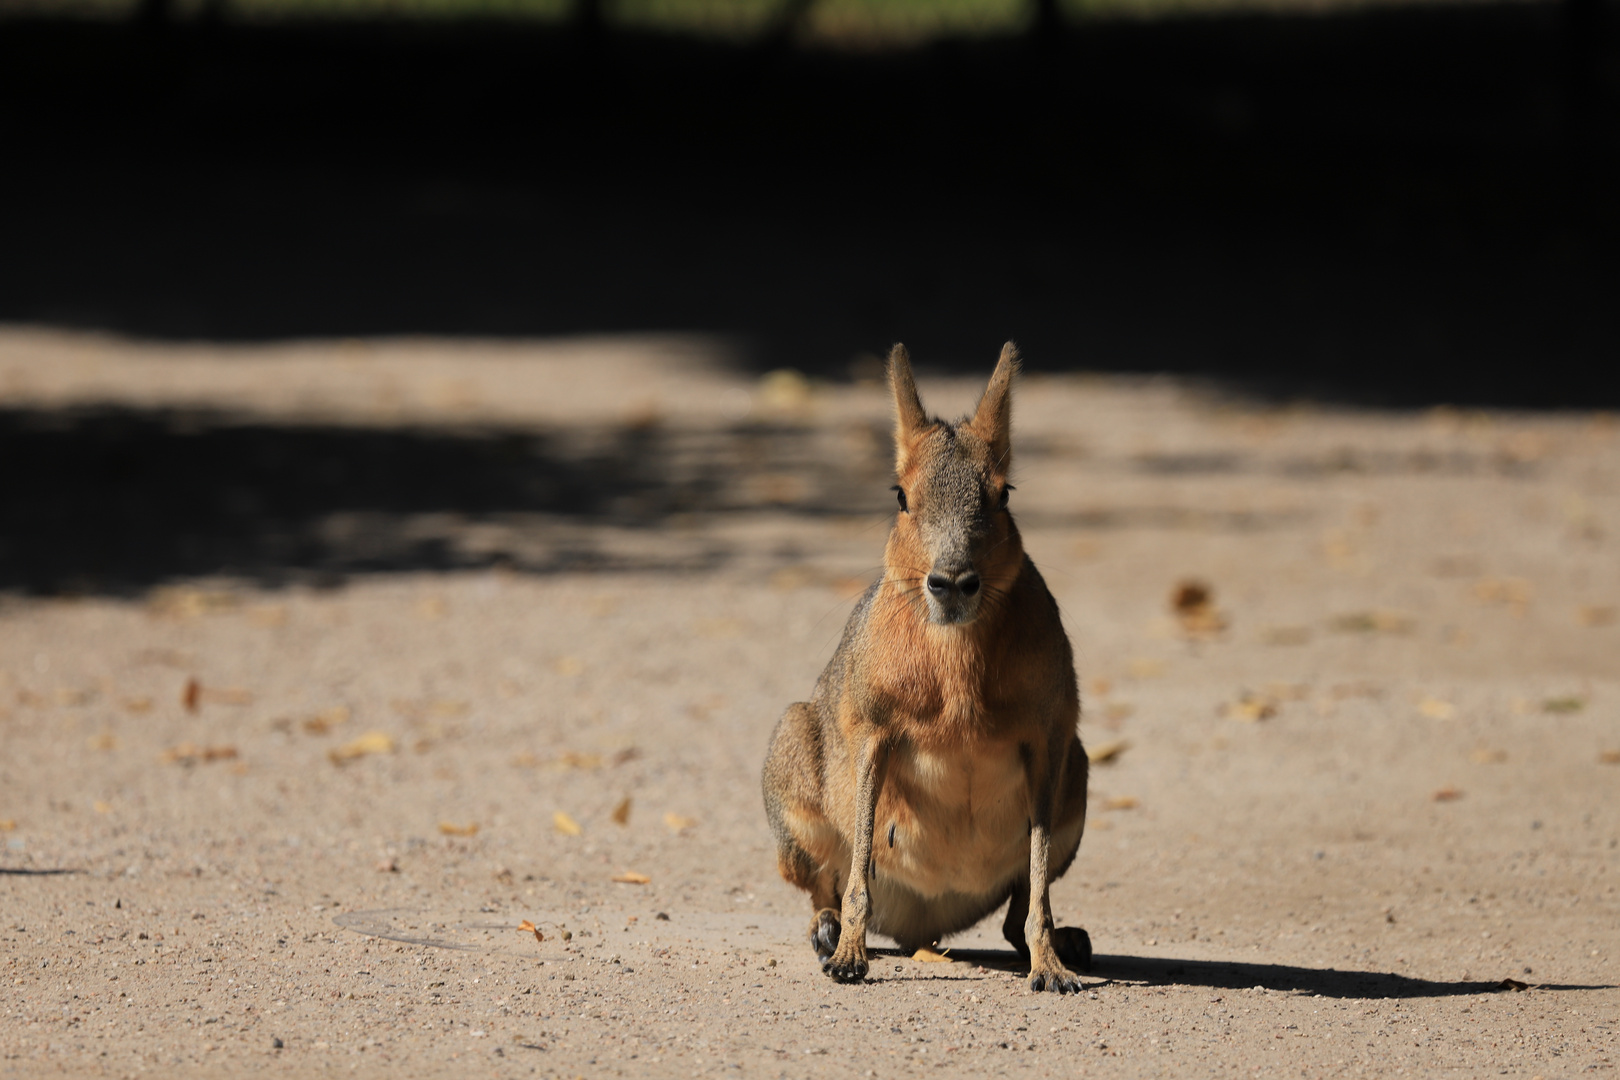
column 827, row 924
column 808, row 848
column 1054, row 838
column 1071, row 943
column 799, row 868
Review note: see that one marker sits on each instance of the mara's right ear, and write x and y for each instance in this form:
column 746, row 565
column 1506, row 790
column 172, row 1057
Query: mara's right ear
column 992, row 421
column 909, row 418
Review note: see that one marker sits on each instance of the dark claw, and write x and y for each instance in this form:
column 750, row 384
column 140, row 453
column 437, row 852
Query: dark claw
column 852, row 972
column 1061, row 982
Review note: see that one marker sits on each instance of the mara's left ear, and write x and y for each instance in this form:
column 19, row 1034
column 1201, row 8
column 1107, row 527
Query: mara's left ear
column 909, row 418
column 992, row 420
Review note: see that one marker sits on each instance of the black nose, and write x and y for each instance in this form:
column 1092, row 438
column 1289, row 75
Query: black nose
column 942, row 586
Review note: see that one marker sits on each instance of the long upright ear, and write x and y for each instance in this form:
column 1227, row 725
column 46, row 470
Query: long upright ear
column 992, row 420
column 909, row 418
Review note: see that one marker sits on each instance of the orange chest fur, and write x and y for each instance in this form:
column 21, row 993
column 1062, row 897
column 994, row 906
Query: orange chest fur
column 945, row 686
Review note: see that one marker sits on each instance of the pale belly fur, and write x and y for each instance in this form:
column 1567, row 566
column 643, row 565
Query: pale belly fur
column 961, row 821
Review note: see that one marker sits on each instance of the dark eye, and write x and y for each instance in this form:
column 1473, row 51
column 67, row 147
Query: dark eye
column 900, row 493
column 1005, row 491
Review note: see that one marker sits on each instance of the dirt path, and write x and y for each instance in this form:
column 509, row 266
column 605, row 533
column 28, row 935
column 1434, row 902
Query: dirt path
column 293, row 816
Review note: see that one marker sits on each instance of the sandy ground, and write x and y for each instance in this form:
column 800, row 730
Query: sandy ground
column 294, row 821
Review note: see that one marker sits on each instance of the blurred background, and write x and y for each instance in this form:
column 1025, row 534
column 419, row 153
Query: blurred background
column 1354, row 203
column 1370, row 200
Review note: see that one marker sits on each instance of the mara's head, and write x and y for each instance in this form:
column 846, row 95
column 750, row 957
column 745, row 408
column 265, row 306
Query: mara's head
column 954, row 545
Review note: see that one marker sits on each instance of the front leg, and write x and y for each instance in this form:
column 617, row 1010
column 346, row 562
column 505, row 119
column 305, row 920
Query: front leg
column 848, row 963
column 1046, row 970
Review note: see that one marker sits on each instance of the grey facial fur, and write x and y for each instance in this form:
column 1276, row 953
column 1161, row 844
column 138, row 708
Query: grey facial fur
column 955, row 514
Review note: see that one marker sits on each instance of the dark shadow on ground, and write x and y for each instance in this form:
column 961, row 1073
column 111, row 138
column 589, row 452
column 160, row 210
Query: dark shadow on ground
column 118, row 500
column 1221, row 975
column 1401, row 206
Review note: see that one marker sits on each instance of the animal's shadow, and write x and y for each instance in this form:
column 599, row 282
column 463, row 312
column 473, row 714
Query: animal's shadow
column 1238, row 975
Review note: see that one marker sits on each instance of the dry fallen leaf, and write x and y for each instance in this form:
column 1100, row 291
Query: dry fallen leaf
column 101, row 806
column 1193, row 604
column 1190, row 595
column 621, row 813
column 528, row 927
column 677, row 823
column 630, row 877
column 190, row 754
column 571, row 760
column 1590, row 615
column 1250, row 708
column 8, row 824
column 1609, row 757
column 1107, row 752
column 565, row 824
column 1372, row 622
column 926, row 955
column 326, row 720
column 1485, row 755
column 1121, row 802
column 182, row 603
column 191, row 695
column 451, row 829
column 372, row 742
column 1435, row 709
column 1516, row 593
column 1447, row 794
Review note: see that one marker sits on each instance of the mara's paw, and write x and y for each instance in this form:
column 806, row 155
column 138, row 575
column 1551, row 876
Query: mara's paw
column 1055, row 977
column 1073, row 947
column 848, row 964
column 824, row 930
